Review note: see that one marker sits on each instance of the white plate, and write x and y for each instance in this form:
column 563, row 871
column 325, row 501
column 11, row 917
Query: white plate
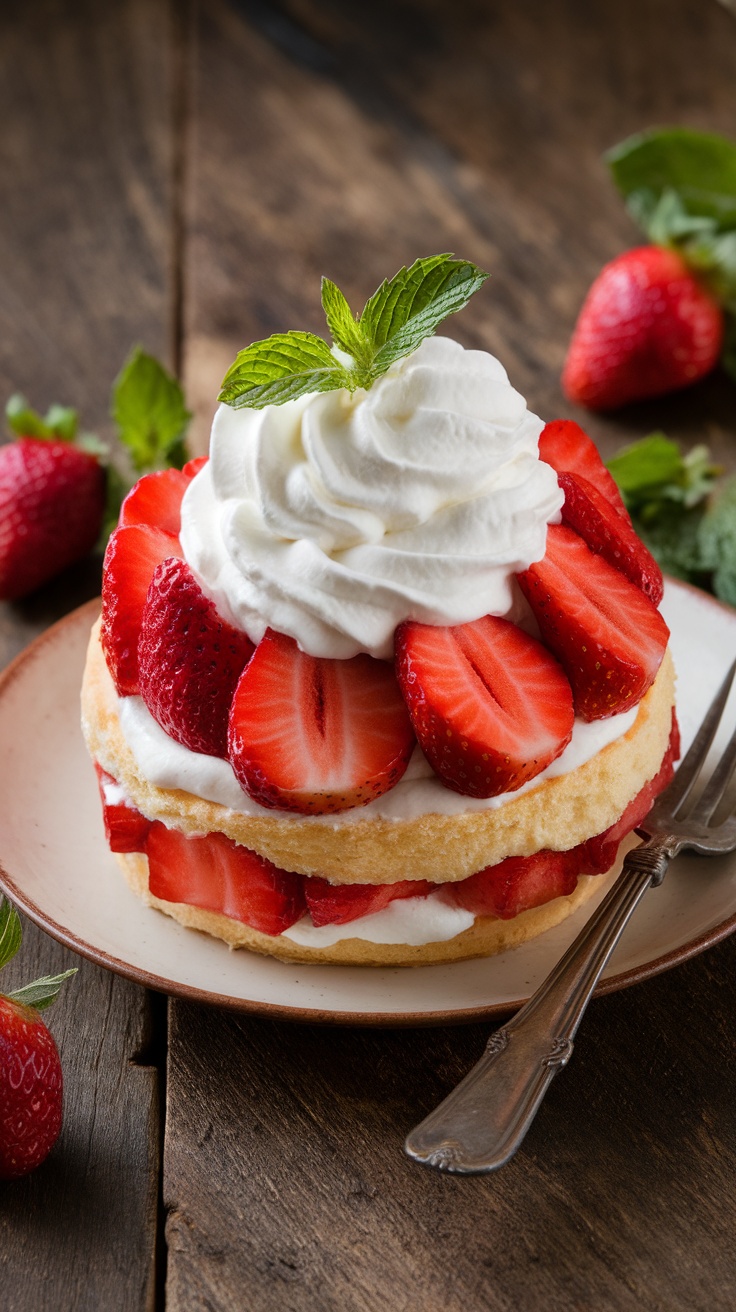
column 55, row 865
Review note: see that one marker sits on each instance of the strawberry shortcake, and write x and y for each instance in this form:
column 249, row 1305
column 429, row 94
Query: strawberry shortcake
column 384, row 679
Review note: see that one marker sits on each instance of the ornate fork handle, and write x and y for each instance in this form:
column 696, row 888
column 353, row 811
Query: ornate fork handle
column 483, row 1121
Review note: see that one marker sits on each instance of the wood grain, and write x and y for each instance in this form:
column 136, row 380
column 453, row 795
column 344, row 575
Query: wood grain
column 85, row 103
column 287, row 1186
column 346, row 139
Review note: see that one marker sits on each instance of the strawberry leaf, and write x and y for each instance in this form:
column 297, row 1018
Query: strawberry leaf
column 698, row 167
column 717, row 541
column 281, row 368
column 11, row 933
column 60, row 425
column 42, row 992
column 151, row 415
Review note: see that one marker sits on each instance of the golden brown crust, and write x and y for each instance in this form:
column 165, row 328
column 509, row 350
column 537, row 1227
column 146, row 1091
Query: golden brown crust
column 558, row 814
column 482, row 939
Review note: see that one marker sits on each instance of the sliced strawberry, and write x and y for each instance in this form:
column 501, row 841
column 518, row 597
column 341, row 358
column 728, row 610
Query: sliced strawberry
column 156, row 500
column 565, row 446
column 490, row 706
column 607, row 634
column 192, row 467
column 521, row 882
column 609, row 534
column 131, row 557
column 189, row 660
column 601, row 850
column 126, row 829
column 212, row 872
column 317, row 736
column 336, row 904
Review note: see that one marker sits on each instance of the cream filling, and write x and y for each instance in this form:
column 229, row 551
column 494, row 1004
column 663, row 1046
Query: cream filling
column 412, row 920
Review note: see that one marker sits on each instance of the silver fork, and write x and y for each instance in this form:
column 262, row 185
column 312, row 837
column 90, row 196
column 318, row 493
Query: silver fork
column 480, row 1125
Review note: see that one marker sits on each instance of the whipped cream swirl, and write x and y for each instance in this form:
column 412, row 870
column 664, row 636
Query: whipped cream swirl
column 334, row 517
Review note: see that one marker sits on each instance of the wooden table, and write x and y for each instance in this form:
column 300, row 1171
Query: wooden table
column 180, row 175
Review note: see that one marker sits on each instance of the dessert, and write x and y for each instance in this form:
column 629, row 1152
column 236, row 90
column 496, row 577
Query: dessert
column 384, row 680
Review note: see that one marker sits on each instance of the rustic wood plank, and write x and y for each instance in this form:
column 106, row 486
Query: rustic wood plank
column 345, row 139
column 287, row 1185
column 85, row 102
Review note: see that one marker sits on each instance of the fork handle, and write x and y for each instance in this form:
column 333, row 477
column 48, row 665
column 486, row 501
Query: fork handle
column 481, row 1123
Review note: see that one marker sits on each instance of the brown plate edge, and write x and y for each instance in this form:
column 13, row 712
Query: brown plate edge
column 302, row 1015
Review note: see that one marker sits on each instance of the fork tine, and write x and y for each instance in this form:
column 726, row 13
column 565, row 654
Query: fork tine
column 716, row 786
column 691, row 765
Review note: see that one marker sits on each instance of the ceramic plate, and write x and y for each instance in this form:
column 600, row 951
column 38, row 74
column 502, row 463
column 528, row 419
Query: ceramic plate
column 55, row 865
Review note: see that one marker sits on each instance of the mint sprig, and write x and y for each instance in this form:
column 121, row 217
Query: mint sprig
column 404, row 311
column 680, row 188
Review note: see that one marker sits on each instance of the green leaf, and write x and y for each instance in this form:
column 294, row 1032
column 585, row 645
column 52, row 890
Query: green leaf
column 653, row 474
column 60, row 424
column 42, row 992
column 343, row 326
column 151, row 415
column 699, row 167
column 673, row 539
column 281, row 368
column 717, row 541
column 395, row 320
column 11, row 933
column 411, row 305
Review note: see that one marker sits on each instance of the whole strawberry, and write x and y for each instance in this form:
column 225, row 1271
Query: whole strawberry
column 52, row 499
column 61, row 490
column 30, row 1070
column 647, row 327
column 660, row 316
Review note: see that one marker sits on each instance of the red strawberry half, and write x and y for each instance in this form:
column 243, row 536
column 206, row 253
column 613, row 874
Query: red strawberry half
column 337, row 904
column 131, row 557
column 565, row 446
column 126, row 829
column 52, row 498
column 156, row 500
column 609, row 534
column 607, row 634
column 317, row 736
column 647, row 327
column 189, row 660
column 522, row 882
column 216, row 874
column 490, row 706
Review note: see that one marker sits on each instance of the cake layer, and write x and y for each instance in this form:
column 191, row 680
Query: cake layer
column 558, row 814
column 485, row 937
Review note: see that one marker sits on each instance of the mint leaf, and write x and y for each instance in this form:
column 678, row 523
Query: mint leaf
column 149, row 410
column 42, row 992
column 410, row 306
column 10, row 932
column 60, row 424
column 699, row 167
column 344, row 328
column 397, row 318
column 281, row 368
column 717, row 541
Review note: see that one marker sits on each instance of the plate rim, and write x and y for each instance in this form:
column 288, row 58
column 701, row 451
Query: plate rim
column 313, row 1015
